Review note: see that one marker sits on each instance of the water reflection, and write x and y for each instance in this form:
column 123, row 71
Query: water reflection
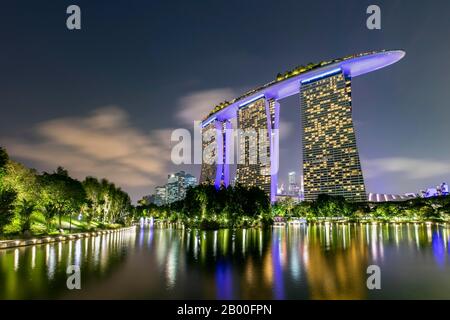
column 40, row 271
column 316, row 261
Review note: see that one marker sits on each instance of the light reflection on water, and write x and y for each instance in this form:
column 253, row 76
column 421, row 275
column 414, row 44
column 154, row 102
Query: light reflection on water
column 317, row 261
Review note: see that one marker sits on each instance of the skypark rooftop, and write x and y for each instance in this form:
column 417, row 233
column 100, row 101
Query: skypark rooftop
column 288, row 84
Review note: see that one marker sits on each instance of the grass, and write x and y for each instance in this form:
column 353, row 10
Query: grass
column 39, row 226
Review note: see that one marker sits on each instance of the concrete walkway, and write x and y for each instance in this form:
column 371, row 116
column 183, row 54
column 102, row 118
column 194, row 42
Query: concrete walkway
column 6, row 244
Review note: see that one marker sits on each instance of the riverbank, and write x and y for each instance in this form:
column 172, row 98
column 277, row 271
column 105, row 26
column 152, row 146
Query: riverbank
column 6, row 244
column 163, row 224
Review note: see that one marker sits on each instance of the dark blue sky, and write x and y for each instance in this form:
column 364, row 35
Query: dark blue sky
column 103, row 100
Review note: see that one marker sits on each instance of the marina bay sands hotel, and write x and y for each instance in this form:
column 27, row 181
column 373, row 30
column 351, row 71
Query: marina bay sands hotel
column 331, row 163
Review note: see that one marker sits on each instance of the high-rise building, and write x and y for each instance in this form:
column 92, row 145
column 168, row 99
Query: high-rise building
column 160, row 195
column 293, row 189
column 175, row 188
column 215, row 138
column 253, row 168
column 292, row 177
column 189, row 181
column 177, row 185
column 302, row 188
column 331, row 162
column 209, row 153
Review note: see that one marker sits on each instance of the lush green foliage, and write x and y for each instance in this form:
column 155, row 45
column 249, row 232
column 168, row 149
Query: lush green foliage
column 7, row 199
column 28, row 198
column 63, row 192
column 25, row 209
column 3, row 157
column 3, row 161
column 208, row 208
column 22, row 180
column 105, row 201
column 326, row 206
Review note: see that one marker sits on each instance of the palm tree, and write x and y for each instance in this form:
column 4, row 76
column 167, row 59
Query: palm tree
column 26, row 209
column 49, row 211
column 7, row 199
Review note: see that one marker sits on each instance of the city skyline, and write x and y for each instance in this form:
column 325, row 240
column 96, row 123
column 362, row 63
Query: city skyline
column 224, row 158
column 102, row 104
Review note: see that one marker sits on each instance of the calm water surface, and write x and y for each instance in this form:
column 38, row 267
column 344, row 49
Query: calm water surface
column 313, row 261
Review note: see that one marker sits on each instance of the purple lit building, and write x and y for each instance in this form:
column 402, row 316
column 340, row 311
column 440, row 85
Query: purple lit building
column 330, row 156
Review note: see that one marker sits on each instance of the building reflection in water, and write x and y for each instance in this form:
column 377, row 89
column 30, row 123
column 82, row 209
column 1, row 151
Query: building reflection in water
column 278, row 260
column 339, row 271
column 317, row 261
column 438, row 243
column 224, row 280
column 328, row 261
column 39, row 271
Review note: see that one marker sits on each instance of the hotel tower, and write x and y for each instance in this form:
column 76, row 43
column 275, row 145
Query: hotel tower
column 331, row 163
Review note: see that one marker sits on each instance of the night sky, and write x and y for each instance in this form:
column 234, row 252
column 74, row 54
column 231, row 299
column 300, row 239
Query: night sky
column 104, row 100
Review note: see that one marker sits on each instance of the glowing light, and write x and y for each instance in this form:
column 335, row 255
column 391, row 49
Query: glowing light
column 322, row 75
column 208, row 121
column 251, row 100
column 16, row 259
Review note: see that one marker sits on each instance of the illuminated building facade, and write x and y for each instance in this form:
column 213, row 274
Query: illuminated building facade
column 253, row 167
column 209, row 154
column 216, row 136
column 293, row 188
column 331, row 162
column 160, row 195
column 175, row 188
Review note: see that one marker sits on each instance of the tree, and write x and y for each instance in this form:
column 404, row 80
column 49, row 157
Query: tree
column 7, row 199
column 4, row 158
column 303, row 209
column 107, row 202
column 22, row 180
column 427, row 212
column 94, row 196
column 25, row 210
column 287, row 205
column 3, row 161
column 333, row 206
column 49, row 211
column 64, row 193
column 87, row 210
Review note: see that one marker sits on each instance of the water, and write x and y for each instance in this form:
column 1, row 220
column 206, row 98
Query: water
column 300, row 262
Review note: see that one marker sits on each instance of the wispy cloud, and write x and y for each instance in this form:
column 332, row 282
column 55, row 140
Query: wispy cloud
column 409, row 167
column 198, row 104
column 102, row 144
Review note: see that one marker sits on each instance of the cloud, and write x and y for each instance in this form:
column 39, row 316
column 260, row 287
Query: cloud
column 409, row 167
column 101, row 144
column 197, row 105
